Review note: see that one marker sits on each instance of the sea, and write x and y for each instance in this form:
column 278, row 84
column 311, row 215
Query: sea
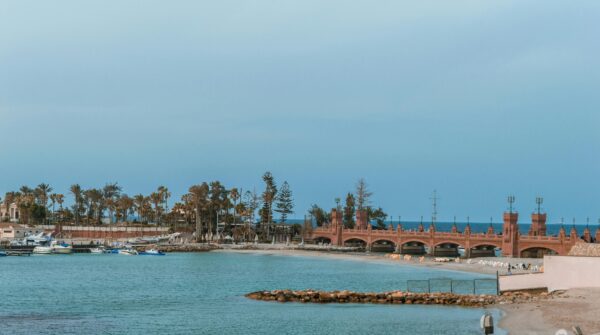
column 203, row 293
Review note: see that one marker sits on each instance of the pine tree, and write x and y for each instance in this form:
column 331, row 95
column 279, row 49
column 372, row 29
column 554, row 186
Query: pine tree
column 362, row 194
column 349, row 211
column 285, row 202
column 268, row 196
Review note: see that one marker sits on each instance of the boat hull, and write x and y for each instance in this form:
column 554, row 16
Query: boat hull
column 62, row 251
column 42, row 250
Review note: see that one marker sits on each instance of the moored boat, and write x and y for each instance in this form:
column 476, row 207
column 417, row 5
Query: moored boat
column 61, row 248
column 42, row 250
column 128, row 252
column 98, row 250
column 152, row 252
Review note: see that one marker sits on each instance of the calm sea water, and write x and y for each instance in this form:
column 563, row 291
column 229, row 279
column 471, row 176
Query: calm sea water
column 202, row 293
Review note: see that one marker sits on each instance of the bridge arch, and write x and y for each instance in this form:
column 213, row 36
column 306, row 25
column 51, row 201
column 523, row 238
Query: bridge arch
column 448, row 248
column 383, row 245
column 414, row 247
column 537, row 251
column 355, row 242
column 484, row 249
column 322, row 239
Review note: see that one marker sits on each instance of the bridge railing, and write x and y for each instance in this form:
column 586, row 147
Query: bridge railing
column 538, row 238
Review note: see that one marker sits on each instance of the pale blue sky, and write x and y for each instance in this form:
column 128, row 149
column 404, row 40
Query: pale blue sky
column 476, row 99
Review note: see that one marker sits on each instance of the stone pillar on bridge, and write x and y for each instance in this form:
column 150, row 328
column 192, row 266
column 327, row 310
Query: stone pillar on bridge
column 562, row 234
column 538, row 224
column 587, row 235
column 490, row 230
column 337, row 225
column 361, row 219
column 573, row 234
column 510, row 235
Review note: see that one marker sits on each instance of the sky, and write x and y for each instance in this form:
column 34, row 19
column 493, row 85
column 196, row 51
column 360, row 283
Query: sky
column 475, row 99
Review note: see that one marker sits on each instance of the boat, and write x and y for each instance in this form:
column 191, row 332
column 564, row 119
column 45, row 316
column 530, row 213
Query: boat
column 42, row 250
column 3, row 253
column 128, row 252
column 32, row 239
column 152, row 252
column 98, row 250
column 61, row 248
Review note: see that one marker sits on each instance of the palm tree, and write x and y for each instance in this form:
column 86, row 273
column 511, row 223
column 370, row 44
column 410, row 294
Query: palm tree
column 42, row 191
column 53, row 201
column 111, row 193
column 156, row 200
column 60, row 198
column 165, row 195
column 124, row 206
column 94, row 197
column 77, row 193
column 140, row 203
column 198, row 196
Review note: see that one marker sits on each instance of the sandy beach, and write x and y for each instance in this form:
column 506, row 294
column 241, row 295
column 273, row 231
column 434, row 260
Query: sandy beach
column 463, row 265
column 576, row 307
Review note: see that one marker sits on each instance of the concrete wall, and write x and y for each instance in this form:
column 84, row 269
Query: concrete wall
column 560, row 273
column 525, row 281
column 565, row 272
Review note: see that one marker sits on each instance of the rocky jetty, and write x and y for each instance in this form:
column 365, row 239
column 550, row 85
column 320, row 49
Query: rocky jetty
column 396, row 297
column 188, row 247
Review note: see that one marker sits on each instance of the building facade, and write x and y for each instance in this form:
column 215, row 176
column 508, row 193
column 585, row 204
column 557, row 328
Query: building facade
column 10, row 214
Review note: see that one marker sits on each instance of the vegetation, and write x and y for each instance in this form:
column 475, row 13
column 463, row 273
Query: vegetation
column 285, row 202
column 208, row 208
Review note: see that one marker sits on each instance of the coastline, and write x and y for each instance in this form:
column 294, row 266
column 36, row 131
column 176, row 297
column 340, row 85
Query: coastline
column 528, row 318
column 381, row 258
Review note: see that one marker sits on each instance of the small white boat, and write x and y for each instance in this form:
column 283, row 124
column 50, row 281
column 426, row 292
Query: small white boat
column 61, row 248
column 152, row 252
column 99, row 250
column 42, row 250
column 128, row 252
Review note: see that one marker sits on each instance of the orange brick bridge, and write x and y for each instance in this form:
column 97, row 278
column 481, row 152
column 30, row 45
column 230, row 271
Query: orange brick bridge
column 435, row 243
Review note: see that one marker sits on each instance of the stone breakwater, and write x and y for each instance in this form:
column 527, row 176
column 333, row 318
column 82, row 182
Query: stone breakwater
column 396, row 297
column 189, row 247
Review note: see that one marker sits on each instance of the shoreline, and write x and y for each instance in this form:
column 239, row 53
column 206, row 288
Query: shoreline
column 428, row 262
column 534, row 317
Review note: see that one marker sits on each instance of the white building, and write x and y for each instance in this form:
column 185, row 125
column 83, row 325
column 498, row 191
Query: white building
column 11, row 231
column 10, row 215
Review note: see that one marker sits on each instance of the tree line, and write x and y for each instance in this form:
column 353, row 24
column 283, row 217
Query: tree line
column 205, row 205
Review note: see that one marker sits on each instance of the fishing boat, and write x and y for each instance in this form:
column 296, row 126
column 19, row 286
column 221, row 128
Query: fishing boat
column 128, row 252
column 152, row 252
